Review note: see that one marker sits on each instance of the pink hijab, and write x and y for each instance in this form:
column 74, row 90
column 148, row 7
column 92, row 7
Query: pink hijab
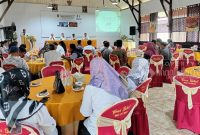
column 105, row 77
column 150, row 49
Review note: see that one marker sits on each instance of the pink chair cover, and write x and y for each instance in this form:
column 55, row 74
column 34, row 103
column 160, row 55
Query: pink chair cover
column 88, row 56
column 7, row 67
column 119, row 117
column 114, row 61
column 123, row 70
column 78, row 63
column 50, row 70
column 5, row 55
column 156, row 73
column 139, row 119
column 56, row 63
column 172, row 50
column 187, row 118
column 188, row 60
column 26, row 130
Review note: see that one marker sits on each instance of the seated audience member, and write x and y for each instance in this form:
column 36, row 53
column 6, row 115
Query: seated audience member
column 170, row 43
column 114, row 45
column 89, row 47
column 165, row 52
column 43, row 50
column 59, row 48
column 121, row 53
column 4, row 48
column 62, row 36
column 151, row 50
column 22, row 52
column 104, row 83
column 15, row 59
column 85, row 36
column 62, row 43
column 138, row 73
column 79, row 47
column 52, row 37
column 103, row 47
column 154, row 42
column 21, row 109
column 52, row 55
column 158, row 43
column 12, row 44
column 106, row 51
column 74, row 53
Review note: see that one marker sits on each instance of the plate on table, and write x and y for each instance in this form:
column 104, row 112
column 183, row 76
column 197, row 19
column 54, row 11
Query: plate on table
column 35, row 84
column 42, row 94
column 77, row 88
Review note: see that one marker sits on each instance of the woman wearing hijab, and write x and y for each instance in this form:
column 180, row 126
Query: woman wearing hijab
column 138, row 74
column 17, row 110
column 105, row 89
column 151, row 50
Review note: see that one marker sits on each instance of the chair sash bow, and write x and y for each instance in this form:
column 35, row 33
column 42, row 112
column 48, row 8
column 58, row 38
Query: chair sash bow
column 143, row 96
column 156, row 64
column 114, row 62
column 188, row 56
column 189, row 92
column 87, row 55
column 119, row 125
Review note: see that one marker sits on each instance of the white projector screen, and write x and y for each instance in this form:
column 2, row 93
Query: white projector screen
column 107, row 21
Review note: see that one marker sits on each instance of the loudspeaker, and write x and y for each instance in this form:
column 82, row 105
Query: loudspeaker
column 132, row 30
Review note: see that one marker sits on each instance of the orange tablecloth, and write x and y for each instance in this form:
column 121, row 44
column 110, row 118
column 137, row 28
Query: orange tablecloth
column 193, row 71
column 35, row 67
column 68, row 42
column 64, row 108
column 130, row 60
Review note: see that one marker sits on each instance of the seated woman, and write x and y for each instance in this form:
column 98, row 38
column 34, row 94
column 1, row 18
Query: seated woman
column 151, row 50
column 138, row 74
column 17, row 110
column 105, row 89
column 74, row 53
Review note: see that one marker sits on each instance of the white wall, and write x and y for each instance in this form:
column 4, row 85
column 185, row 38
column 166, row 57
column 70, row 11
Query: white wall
column 152, row 6
column 2, row 22
column 41, row 22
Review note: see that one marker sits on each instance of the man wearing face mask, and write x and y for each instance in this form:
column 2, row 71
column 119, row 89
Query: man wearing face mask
column 15, row 59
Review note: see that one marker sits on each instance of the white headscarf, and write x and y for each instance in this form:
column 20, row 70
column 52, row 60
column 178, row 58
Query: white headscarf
column 139, row 70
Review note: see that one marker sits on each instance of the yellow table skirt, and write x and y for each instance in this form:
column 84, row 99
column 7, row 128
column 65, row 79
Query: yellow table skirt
column 68, row 42
column 35, row 67
column 130, row 60
column 64, row 108
column 193, row 71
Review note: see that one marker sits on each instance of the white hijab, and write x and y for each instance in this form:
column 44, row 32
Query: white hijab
column 139, row 70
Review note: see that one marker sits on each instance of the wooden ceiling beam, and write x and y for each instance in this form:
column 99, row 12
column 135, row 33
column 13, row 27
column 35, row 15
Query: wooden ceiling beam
column 7, row 8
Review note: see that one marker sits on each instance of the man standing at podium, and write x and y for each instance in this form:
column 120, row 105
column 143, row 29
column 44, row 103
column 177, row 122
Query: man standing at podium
column 23, row 36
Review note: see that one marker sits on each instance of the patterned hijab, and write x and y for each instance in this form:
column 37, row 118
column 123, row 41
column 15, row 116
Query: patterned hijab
column 105, row 77
column 140, row 70
column 14, row 90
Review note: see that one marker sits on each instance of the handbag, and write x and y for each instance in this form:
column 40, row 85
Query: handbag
column 58, row 86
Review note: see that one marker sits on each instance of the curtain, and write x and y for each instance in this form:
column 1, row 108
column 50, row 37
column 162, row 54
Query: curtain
column 193, row 10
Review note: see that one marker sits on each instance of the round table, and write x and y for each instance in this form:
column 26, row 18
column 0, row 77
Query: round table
column 36, row 66
column 64, row 108
column 193, row 71
column 130, row 59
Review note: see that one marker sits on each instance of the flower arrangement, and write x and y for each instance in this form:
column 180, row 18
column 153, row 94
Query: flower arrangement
column 124, row 38
column 31, row 38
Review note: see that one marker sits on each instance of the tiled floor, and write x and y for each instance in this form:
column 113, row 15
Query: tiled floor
column 160, row 111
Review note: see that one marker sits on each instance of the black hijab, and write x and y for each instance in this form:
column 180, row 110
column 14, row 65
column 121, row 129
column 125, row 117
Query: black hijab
column 14, row 90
